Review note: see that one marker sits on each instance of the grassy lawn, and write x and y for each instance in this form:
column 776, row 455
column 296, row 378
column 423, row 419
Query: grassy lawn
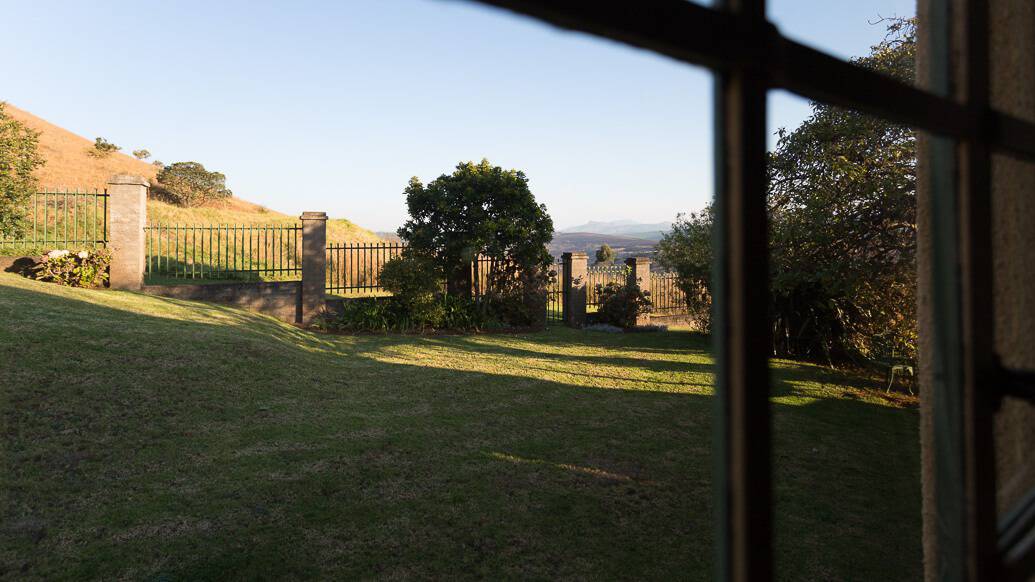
column 151, row 438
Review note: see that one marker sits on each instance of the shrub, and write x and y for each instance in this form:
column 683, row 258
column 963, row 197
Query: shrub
column 410, row 275
column 413, row 281
column 102, row 148
column 519, row 301
column 622, row 304
column 141, row 154
column 605, row 255
column 393, row 314
column 86, row 268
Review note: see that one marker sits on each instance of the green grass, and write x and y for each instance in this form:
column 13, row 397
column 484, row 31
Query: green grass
column 150, row 438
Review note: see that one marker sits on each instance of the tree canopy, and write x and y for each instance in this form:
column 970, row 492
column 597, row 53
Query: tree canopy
column 19, row 158
column 190, row 184
column 478, row 209
column 842, row 212
column 605, row 254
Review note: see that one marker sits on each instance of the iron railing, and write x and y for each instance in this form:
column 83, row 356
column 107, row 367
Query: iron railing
column 598, row 276
column 223, row 251
column 60, row 220
column 554, row 295
column 355, row 268
column 666, row 295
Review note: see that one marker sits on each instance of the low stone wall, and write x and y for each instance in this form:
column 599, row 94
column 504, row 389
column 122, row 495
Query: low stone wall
column 282, row 299
column 673, row 319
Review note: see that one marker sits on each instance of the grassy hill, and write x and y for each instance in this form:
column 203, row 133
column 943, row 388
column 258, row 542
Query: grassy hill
column 68, row 163
column 69, row 166
column 241, row 212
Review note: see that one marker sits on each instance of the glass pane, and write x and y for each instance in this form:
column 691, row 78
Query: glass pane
column 848, row 30
column 842, row 256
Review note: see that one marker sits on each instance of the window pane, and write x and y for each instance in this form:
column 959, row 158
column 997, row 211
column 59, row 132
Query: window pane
column 842, row 207
column 846, row 30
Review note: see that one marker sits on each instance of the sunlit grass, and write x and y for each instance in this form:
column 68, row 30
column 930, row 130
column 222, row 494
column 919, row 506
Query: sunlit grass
column 149, row 437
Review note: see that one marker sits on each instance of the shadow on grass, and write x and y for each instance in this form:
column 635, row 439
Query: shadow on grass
column 200, row 441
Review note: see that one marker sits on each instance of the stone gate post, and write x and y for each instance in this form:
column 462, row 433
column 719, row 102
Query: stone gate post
column 573, row 288
column 314, row 264
column 127, row 216
column 639, row 273
column 639, row 277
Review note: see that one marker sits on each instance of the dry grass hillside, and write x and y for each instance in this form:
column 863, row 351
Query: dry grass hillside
column 241, row 212
column 70, row 166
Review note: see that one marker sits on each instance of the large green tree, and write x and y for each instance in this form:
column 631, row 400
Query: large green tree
column 842, row 210
column 190, row 184
column 478, row 209
column 19, row 158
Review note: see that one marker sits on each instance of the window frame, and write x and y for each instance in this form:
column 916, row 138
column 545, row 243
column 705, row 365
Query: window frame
column 750, row 57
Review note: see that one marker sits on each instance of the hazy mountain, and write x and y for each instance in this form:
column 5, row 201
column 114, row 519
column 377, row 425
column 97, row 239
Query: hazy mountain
column 644, row 230
column 589, row 242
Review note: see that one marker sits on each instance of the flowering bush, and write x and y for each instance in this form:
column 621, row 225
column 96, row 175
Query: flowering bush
column 86, row 268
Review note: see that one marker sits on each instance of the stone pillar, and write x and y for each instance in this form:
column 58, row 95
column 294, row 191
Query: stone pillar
column 639, row 277
column 127, row 216
column 574, row 268
column 639, row 273
column 314, row 264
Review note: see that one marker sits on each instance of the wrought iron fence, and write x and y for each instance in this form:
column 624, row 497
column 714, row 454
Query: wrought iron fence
column 554, row 297
column 600, row 275
column 223, row 251
column 666, row 295
column 355, row 268
column 60, row 220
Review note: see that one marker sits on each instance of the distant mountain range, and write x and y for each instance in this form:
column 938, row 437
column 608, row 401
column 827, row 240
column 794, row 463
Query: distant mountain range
column 643, row 230
column 588, row 242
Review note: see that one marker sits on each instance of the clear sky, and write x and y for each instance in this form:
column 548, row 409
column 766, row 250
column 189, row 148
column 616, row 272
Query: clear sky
column 333, row 105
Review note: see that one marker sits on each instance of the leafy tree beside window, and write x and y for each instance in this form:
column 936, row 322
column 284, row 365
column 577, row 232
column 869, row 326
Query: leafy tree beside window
column 605, row 255
column 19, row 158
column 478, row 209
column 190, row 184
column 842, row 216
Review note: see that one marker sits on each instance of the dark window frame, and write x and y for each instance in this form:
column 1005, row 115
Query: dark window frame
column 750, row 57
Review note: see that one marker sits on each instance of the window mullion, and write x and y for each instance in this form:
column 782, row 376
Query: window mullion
column 742, row 441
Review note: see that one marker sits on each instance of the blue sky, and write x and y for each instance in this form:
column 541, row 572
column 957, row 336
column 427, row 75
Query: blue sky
column 333, row 105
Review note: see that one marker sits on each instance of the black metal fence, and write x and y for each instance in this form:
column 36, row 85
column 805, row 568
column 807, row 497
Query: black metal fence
column 666, row 295
column 355, row 268
column 60, row 220
column 598, row 276
column 223, row 251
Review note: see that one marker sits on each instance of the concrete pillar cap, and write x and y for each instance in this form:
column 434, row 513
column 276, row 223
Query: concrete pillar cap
column 128, row 180
column 313, row 216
